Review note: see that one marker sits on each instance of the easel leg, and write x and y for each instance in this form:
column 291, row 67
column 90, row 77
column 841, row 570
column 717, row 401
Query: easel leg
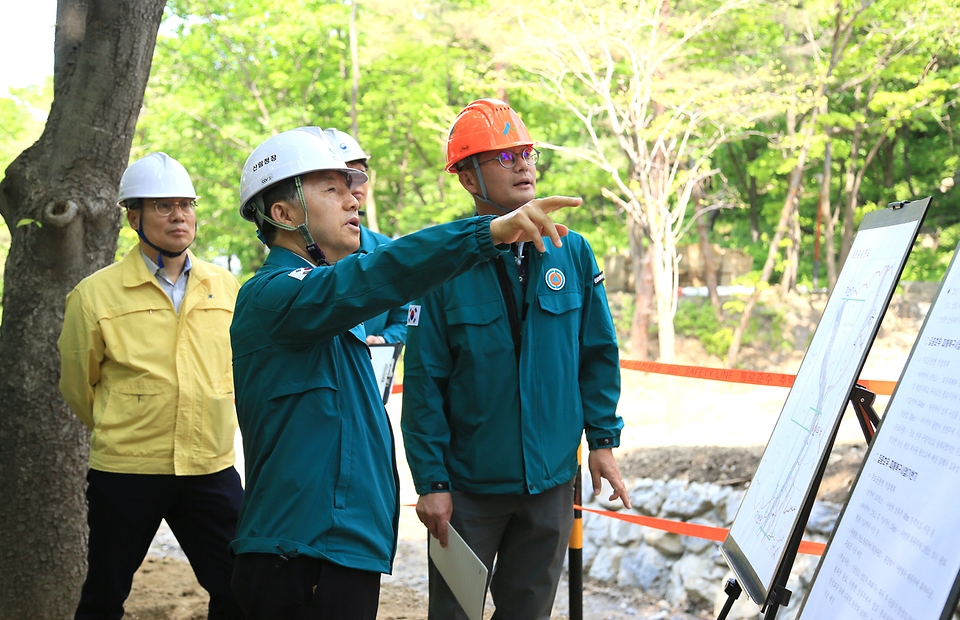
column 733, row 590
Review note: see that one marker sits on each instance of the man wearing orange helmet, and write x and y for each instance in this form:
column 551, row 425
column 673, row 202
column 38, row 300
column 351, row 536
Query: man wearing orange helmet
column 507, row 365
column 318, row 522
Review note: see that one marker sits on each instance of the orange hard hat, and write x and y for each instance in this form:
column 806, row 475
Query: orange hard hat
column 484, row 125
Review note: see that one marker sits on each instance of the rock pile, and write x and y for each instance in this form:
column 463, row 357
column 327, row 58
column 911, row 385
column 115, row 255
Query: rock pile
column 681, row 570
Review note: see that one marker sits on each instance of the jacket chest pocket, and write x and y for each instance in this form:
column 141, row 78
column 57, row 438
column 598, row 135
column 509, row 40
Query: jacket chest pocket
column 475, row 328
column 560, row 317
column 559, row 303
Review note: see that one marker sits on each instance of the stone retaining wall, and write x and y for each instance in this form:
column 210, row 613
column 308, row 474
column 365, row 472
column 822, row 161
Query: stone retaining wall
column 681, row 569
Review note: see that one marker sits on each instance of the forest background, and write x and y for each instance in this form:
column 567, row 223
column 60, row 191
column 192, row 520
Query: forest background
column 769, row 127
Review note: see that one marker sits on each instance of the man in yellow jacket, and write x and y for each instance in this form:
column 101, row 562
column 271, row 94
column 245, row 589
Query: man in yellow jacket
column 146, row 366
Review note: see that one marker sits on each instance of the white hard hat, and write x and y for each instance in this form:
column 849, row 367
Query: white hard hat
column 155, row 176
column 287, row 155
column 344, row 144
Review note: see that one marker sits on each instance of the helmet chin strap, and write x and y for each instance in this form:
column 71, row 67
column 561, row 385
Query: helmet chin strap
column 312, row 248
column 161, row 251
column 483, row 187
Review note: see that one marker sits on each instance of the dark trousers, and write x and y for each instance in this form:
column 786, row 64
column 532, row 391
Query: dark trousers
column 124, row 512
column 528, row 535
column 274, row 587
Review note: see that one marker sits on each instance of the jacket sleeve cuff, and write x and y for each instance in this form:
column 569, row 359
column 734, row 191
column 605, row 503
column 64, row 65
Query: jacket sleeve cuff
column 484, row 240
column 598, row 443
column 431, row 487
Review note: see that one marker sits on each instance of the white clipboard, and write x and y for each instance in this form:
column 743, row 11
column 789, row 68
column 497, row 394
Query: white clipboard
column 384, row 359
column 463, row 571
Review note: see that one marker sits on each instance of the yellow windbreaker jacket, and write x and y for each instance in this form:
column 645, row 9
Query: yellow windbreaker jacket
column 154, row 387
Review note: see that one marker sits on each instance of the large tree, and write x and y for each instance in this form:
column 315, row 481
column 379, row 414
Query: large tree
column 654, row 116
column 59, row 199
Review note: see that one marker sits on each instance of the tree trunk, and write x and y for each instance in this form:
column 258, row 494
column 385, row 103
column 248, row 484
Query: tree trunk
column 849, row 193
column 826, row 213
column 706, row 250
column 788, row 207
column 354, row 72
column 643, row 285
column 664, row 285
column 66, row 185
column 788, row 281
column 370, row 205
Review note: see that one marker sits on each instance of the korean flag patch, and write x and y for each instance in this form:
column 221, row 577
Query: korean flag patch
column 413, row 316
column 300, row 273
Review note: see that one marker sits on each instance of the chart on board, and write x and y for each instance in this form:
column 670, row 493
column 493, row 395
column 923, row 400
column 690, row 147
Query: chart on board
column 895, row 552
column 808, row 421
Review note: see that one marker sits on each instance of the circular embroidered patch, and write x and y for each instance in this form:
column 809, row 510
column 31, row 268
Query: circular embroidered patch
column 555, row 279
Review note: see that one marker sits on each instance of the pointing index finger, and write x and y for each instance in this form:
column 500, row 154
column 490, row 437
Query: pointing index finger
column 553, row 203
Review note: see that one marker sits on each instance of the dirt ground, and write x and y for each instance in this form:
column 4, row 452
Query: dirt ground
column 674, row 429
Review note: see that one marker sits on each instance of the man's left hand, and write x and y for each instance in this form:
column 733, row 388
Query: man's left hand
column 602, row 464
column 372, row 339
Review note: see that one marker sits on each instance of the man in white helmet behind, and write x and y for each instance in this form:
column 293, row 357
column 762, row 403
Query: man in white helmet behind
column 146, row 366
column 390, row 326
column 318, row 523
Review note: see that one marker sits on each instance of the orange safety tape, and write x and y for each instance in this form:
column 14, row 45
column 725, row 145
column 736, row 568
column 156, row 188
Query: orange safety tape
column 750, row 377
column 696, row 530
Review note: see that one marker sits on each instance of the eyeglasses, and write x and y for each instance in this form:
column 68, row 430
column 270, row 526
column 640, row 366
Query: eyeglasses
column 165, row 207
column 508, row 159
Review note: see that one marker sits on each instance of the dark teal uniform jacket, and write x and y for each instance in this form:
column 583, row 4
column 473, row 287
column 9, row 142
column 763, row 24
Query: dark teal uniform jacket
column 477, row 419
column 321, row 478
column 392, row 324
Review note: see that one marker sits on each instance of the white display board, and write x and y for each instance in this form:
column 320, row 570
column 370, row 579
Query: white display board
column 895, row 552
column 800, row 442
column 384, row 359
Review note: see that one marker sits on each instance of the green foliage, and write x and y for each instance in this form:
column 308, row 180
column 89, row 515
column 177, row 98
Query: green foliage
column 931, row 255
column 696, row 318
column 227, row 75
column 22, row 115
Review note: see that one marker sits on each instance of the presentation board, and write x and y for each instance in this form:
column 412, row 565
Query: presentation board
column 895, row 552
column 384, row 359
column 799, row 445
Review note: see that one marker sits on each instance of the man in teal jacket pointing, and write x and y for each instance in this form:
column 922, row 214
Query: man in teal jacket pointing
column 318, row 522
column 506, row 367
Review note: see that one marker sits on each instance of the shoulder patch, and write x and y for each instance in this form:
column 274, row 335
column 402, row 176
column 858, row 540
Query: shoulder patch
column 597, row 279
column 413, row 316
column 301, row 273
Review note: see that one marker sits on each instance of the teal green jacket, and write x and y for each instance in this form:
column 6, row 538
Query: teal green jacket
column 477, row 420
column 321, row 477
column 392, row 324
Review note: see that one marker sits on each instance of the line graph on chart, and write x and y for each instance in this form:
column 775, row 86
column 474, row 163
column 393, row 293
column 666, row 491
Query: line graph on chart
column 802, row 435
column 778, row 496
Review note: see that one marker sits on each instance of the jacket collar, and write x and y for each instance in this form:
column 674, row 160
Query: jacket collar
column 135, row 272
column 282, row 257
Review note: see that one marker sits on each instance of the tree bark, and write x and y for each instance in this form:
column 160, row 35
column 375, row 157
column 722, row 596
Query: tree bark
column 829, row 221
column 354, row 71
column 788, row 207
column 66, row 186
column 788, row 280
column 370, row 205
column 643, row 286
column 706, row 250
